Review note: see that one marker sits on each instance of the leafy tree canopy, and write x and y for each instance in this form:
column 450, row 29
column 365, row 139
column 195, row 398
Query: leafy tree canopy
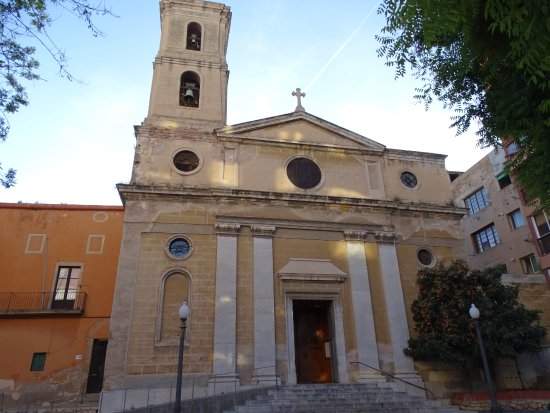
column 446, row 332
column 23, row 25
column 489, row 60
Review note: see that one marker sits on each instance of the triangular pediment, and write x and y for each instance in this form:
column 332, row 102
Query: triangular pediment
column 300, row 128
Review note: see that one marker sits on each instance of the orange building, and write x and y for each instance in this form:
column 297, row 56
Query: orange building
column 58, row 266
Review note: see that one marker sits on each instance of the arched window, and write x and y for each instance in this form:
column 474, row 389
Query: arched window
column 174, row 291
column 190, row 89
column 194, row 36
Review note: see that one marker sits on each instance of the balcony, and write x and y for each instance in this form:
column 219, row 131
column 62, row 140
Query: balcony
column 42, row 303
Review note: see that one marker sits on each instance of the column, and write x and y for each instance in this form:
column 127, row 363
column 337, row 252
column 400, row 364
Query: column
column 225, row 321
column 367, row 348
column 264, row 305
column 395, row 307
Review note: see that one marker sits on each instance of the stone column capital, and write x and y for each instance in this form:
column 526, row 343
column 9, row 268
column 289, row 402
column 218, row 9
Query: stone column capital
column 385, row 237
column 266, row 231
column 224, row 228
column 355, row 235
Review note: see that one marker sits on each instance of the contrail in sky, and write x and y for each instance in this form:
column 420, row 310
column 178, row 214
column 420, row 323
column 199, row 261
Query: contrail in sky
column 337, row 53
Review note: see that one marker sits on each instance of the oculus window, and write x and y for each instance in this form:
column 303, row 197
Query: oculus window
column 425, row 257
column 409, row 179
column 179, row 248
column 303, row 173
column 186, row 161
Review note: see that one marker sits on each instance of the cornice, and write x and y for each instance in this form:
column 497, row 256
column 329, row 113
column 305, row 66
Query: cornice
column 128, row 191
column 190, row 62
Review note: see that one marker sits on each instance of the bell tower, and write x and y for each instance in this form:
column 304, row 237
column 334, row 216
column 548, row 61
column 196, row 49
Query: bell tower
column 190, row 70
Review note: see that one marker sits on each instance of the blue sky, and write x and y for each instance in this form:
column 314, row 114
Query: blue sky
column 75, row 140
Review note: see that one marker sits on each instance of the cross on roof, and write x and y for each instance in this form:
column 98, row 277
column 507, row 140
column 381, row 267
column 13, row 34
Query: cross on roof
column 299, row 95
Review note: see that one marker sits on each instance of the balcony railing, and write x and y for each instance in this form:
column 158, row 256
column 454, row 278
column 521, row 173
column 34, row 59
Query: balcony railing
column 51, row 302
column 544, row 243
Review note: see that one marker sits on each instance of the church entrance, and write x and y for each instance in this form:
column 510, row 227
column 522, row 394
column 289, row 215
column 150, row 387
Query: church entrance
column 313, row 341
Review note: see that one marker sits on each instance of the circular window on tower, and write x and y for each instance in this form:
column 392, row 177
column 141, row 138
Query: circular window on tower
column 409, row 179
column 425, row 257
column 186, row 162
column 304, row 173
column 178, row 247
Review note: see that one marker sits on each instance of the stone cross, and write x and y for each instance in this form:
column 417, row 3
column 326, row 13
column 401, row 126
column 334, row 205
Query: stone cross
column 299, row 95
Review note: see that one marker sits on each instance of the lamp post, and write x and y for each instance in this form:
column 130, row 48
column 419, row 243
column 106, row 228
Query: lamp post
column 474, row 314
column 183, row 314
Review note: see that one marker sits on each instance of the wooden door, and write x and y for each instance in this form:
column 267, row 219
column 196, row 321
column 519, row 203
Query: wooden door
column 313, row 341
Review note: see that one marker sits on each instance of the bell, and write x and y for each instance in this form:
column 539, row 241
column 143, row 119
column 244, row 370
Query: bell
column 189, row 93
column 194, row 38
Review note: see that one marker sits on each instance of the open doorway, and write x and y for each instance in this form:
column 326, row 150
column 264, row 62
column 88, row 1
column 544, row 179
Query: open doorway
column 313, row 341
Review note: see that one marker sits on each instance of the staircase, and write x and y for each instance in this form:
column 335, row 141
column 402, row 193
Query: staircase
column 341, row 398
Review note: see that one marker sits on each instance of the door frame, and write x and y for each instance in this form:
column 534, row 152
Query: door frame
column 339, row 360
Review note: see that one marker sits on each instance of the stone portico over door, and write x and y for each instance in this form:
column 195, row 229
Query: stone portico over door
column 315, row 281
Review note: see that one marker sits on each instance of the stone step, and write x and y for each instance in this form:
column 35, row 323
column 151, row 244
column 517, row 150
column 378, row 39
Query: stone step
column 341, row 398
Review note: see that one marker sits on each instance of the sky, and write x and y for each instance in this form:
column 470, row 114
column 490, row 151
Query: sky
column 75, row 140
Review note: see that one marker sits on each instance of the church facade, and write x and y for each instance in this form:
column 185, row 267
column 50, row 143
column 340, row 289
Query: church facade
column 295, row 242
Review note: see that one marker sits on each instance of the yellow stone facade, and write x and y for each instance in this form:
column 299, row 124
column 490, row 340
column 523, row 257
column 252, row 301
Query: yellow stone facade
column 260, row 243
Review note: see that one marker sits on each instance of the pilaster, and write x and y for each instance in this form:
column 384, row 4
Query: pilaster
column 264, row 305
column 395, row 307
column 363, row 315
column 225, row 317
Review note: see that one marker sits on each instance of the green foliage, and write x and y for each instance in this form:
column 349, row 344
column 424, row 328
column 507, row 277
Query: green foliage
column 489, row 60
column 444, row 329
column 24, row 24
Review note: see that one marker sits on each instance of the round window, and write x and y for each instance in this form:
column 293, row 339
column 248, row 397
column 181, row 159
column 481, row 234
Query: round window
column 409, row 179
column 304, row 173
column 186, row 161
column 179, row 248
column 425, row 257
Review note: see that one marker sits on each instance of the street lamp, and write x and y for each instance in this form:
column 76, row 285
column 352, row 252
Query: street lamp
column 183, row 313
column 474, row 314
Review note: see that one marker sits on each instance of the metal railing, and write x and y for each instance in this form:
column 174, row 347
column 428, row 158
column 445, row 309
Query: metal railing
column 211, row 394
column 390, row 376
column 50, row 302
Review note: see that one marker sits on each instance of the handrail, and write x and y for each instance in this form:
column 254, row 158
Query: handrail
column 42, row 302
column 388, row 374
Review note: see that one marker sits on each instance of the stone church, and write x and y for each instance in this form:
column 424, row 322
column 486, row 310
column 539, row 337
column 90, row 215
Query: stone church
column 295, row 241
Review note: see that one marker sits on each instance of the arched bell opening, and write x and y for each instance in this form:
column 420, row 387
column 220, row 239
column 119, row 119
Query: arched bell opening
column 190, row 89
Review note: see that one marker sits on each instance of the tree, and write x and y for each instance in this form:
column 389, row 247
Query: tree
column 24, row 24
column 444, row 329
column 489, row 60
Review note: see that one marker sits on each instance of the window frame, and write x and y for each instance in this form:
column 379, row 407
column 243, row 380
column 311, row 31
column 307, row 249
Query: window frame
column 542, row 239
column 479, row 243
column 529, row 264
column 474, row 197
column 65, row 303
column 36, row 359
column 502, row 177
column 512, row 221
